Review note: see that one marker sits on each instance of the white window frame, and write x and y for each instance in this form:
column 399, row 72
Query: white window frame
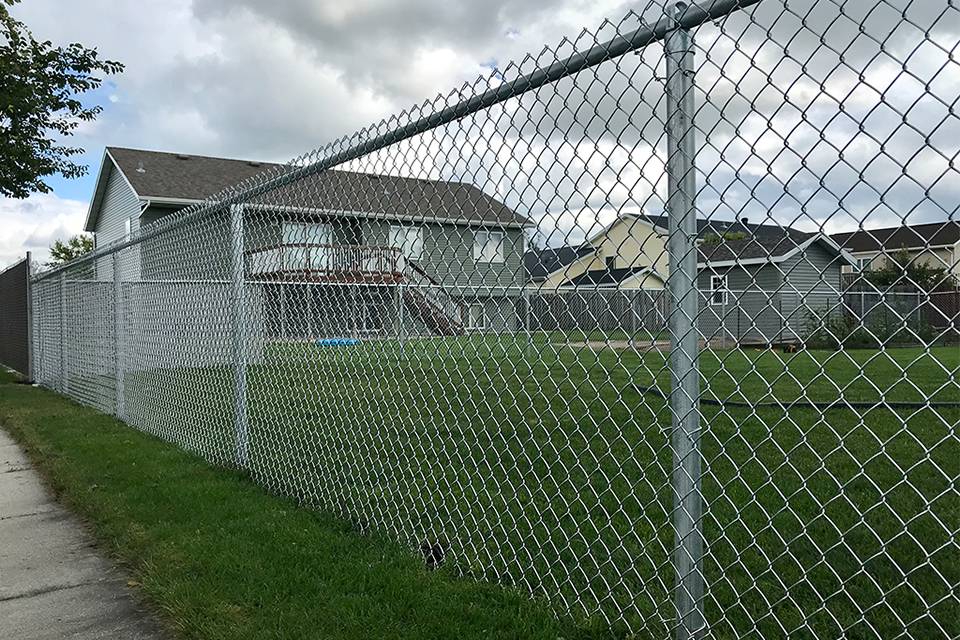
column 719, row 284
column 471, row 325
column 864, row 264
column 306, row 233
column 128, row 228
column 481, row 252
column 400, row 238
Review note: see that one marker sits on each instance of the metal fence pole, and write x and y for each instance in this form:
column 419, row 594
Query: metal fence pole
column 118, row 337
column 238, row 315
column 31, row 363
column 684, row 397
column 64, row 386
column 527, row 328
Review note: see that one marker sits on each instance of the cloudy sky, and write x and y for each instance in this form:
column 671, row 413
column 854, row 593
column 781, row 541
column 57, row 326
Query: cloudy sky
column 272, row 80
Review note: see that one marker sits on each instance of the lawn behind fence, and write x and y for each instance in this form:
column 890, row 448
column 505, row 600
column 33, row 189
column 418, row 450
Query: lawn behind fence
column 544, row 465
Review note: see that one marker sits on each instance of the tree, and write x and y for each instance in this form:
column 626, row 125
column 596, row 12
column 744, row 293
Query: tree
column 40, row 86
column 63, row 252
column 902, row 269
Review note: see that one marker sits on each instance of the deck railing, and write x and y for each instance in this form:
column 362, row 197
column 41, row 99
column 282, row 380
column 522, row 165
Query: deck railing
column 324, row 259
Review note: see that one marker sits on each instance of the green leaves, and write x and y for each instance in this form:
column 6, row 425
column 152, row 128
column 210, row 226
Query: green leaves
column 40, row 104
column 63, row 252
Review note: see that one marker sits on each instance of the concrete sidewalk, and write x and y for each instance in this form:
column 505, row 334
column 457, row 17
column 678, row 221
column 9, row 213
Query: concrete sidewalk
column 53, row 582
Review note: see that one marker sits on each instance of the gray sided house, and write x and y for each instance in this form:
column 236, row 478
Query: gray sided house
column 765, row 284
column 758, row 283
column 338, row 254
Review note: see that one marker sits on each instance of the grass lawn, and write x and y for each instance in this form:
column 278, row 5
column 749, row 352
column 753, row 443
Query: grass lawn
column 542, row 466
column 219, row 557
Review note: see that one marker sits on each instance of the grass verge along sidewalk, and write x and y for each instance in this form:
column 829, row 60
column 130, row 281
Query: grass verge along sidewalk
column 221, row 558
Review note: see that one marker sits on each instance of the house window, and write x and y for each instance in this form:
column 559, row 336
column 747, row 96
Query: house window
column 127, row 228
column 307, row 233
column 307, row 246
column 476, row 316
column 863, row 264
column 409, row 240
column 719, row 292
column 488, row 246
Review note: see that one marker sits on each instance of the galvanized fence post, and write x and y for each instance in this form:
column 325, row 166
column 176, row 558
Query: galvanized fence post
column 64, row 386
column 237, row 317
column 118, row 337
column 685, row 395
column 31, row 362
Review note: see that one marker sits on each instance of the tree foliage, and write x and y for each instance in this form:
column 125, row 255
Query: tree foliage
column 63, row 252
column 40, row 89
column 728, row 236
column 901, row 268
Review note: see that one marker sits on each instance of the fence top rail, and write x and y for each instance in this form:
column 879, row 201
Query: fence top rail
column 16, row 265
column 685, row 16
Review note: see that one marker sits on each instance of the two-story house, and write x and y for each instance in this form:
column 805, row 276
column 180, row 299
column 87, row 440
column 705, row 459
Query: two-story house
column 339, row 253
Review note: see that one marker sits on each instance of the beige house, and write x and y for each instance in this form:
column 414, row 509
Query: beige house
column 936, row 244
column 631, row 251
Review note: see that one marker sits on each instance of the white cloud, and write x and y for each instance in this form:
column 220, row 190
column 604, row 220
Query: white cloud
column 272, row 80
column 35, row 223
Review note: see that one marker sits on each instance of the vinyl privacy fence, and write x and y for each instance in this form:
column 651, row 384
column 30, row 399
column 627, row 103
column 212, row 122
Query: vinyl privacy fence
column 15, row 317
column 361, row 328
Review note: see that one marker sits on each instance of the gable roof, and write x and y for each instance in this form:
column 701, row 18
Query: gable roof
column 606, row 277
column 181, row 179
column 539, row 263
column 905, row 236
column 762, row 241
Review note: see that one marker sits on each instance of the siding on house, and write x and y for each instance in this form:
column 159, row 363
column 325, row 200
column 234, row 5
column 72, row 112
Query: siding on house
column 771, row 302
column 630, row 242
column 119, row 204
column 752, row 310
column 937, row 257
column 811, row 286
column 448, row 257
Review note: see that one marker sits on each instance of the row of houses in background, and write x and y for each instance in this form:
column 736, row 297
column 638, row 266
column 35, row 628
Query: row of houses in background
column 756, row 280
column 355, row 253
column 936, row 244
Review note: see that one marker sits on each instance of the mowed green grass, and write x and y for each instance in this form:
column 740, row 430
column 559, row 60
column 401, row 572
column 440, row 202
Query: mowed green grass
column 542, row 466
column 217, row 557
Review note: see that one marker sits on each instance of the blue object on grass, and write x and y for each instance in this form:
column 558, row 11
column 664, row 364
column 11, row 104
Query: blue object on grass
column 337, row 342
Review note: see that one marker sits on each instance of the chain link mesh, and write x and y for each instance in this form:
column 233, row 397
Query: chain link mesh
column 461, row 334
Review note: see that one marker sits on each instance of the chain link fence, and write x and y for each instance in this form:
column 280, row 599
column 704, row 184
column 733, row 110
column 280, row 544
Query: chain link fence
column 579, row 328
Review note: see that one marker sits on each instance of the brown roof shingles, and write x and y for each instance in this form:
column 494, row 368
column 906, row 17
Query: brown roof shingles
column 160, row 175
column 906, row 236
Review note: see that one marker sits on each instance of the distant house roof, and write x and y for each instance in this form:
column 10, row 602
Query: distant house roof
column 762, row 241
column 606, row 277
column 539, row 263
column 181, row 179
column 906, row 236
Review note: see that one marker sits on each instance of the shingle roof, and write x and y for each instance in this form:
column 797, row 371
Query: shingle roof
column 605, row 277
column 540, row 263
column 906, row 236
column 160, row 175
column 762, row 241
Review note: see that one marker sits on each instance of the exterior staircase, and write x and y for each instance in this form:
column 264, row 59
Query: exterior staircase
column 429, row 302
